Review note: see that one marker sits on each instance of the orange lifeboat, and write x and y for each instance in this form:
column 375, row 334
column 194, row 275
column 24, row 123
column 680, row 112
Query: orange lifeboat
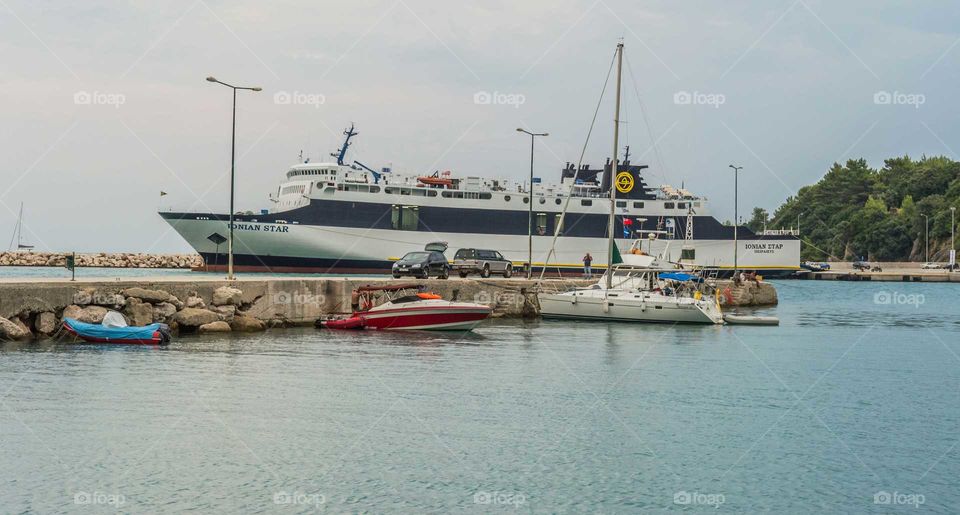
column 437, row 180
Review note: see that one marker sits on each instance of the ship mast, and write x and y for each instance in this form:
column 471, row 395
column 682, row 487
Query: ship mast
column 613, row 170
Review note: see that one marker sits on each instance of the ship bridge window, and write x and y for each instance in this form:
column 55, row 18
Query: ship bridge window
column 621, row 203
column 681, row 205
column 668, row 205
column 585, row 202
column 688, row 254
column 638, row 205
column 405, row 218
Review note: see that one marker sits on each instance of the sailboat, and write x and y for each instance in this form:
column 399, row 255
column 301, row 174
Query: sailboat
column 18, row 234
column 635, row 290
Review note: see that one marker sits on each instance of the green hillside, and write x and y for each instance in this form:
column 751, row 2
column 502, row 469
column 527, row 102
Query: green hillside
column 858, row 211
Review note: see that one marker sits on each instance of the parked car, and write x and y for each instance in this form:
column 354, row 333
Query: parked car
column 424, row 263
column 862, row 266
column 932, row 266
column 481, row 261
column 815, row 266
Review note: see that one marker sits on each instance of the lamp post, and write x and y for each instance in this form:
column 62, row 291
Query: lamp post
column 533, row 136
column 736, row 173
column 953, row 212
column 798, row 222
column 233, row 154
column 926, row 238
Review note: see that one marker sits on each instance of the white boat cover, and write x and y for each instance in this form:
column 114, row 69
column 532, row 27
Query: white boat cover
column 114, row 319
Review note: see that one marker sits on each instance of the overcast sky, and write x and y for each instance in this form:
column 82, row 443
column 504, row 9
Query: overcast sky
column 104, row 103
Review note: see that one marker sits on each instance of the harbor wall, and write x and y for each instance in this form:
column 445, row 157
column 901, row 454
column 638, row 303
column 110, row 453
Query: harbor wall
column 37, row 308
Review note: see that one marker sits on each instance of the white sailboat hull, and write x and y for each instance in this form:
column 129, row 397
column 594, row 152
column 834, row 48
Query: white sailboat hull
column 629, row 307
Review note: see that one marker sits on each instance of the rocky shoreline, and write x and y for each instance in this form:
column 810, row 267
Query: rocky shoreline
column 102, row 259
column 224, row 311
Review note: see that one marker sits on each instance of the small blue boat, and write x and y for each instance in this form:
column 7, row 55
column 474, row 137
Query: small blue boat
column 153, row 334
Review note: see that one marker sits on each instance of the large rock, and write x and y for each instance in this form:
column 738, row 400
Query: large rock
column 194, row 301
column 225, row 295
column 163, row 310
column 13, row 331
column 226, row 312
column 151, row 296
column 140, row 313
column 88, row 314
column 215, row 327
column 195, row 317
column 45, row 323
column 244, row 323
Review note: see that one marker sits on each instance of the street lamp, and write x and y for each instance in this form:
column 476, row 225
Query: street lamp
column 533, row 136
column 233, row 154
column 798, row 222
column 736, row 173
column 953, row 212
column 926, row 238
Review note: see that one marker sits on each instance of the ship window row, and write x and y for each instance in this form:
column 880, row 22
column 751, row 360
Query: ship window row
column 416, row 192
column 298, row 173
column 366, row 188
column 482, row 195
column 296, row 188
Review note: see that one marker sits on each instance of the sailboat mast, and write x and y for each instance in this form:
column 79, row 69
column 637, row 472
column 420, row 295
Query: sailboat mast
column 613, row 169
column 20, row 227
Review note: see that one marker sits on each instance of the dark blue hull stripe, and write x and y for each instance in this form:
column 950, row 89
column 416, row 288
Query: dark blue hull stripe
column 365, row 215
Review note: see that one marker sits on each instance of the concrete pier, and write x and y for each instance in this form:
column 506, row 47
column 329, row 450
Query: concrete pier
column 891, row 272
column 251, row 303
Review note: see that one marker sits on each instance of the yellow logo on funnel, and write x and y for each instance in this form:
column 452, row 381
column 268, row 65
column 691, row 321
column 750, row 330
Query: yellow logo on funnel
column 624, row 182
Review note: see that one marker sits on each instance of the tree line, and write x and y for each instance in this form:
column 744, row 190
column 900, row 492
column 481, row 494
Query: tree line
column 856, row 211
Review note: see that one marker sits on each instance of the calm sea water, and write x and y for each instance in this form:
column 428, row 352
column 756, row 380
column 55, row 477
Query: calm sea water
column 851, row 405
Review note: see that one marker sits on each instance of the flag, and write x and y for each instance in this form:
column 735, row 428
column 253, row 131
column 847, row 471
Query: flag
column 162, row 193
column 617, row 259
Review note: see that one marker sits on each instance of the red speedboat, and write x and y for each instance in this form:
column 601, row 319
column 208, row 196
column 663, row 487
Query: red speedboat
column 409, row 311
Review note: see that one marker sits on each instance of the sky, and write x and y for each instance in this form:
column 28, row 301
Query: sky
column 104, row 104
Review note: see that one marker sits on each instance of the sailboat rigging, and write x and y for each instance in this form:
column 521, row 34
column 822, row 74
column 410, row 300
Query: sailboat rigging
column 18, row 233
column 643, row 292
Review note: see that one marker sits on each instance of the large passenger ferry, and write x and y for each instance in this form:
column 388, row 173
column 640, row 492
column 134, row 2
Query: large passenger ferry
column 345, row 217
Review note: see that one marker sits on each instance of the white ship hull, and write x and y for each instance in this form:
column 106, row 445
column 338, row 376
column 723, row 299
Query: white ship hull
column 292, row 247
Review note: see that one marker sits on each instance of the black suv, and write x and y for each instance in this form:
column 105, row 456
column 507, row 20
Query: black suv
column 481, row 261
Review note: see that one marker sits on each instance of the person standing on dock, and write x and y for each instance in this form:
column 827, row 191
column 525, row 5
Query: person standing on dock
column 587, row 271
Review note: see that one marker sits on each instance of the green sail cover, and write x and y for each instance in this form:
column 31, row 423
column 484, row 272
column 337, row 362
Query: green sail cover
column 616, row 254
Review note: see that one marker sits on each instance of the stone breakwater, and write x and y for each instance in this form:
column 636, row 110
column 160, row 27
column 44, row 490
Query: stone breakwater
column 107, row 260
column 30, row 309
